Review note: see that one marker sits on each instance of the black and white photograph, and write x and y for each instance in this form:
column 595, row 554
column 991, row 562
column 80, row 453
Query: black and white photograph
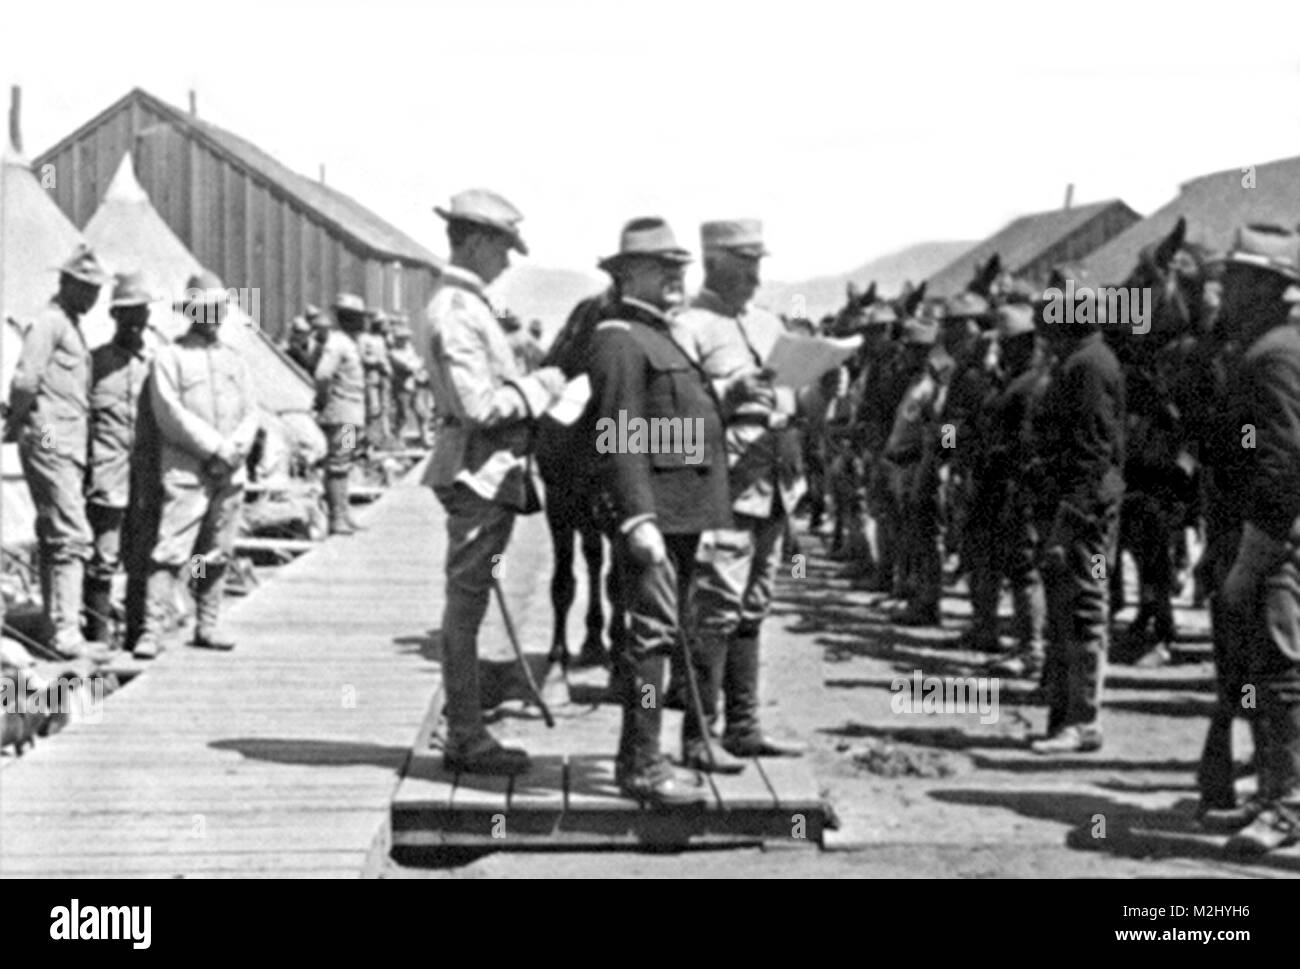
column 689, row 440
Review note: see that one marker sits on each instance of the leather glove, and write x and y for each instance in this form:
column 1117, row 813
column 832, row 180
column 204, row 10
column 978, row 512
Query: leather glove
column 646, row 544
column 1257, row 555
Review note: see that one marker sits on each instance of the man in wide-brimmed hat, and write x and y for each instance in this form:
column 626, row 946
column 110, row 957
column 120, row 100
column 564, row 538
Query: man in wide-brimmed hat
column 49, row 417
column 203, row 401
column 408, row 373
column 373, row 345
column 1258, row 567
column 118, row 370
column 480, row 469
column 731, row 593
column 644, row 379
column 341, row 406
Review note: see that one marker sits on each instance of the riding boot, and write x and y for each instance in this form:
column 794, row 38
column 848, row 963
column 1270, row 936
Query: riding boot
column 1030, row 609
column 63, row 608
column 708, row 654
column 641, row 771
column 336, row 496
column 744, row 736
column 158, row 591
column 208, row 591
column 97, row 596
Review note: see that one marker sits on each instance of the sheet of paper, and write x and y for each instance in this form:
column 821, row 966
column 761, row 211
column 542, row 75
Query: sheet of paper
column 572, row 403
column 798, row 361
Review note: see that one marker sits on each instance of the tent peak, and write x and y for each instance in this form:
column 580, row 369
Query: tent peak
column 125, row 187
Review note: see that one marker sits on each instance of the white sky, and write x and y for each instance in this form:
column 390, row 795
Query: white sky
column 852, row 129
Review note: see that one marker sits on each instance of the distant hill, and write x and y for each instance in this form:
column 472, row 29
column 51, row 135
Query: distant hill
column 535, row 292
column 825, row 294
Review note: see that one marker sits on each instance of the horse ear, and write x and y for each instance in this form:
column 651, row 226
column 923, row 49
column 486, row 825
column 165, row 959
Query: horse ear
column 851, row 294
column 1171, row 243
column 984, row 275
column 1056, row 280
column 869, row 296
column 913, row 299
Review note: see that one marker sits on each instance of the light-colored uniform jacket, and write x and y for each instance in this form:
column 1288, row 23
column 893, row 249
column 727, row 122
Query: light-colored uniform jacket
column 341, row 381
column 49, row 397
column 201, row 395
column 762, row 462
column 482, row 398
column 117, row 378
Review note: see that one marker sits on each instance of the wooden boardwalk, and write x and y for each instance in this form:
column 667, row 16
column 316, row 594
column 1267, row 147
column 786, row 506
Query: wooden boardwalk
column 278, row 759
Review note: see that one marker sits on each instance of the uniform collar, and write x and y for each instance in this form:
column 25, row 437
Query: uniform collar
column 707, row 299
column 465, row 279
column 645, row 312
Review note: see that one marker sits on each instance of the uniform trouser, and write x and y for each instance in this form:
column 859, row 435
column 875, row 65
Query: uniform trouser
column 1148, row 527
column 377, row 411
column 882, row 506
column 654, row 597
column 198, row 524
column 478, row 531
column 344, row 442
column 403, row 407
column 106, row 558
column 1078, row 615
column 921, row 537
column 56, row 483
column 999, row 541
column 735, row 571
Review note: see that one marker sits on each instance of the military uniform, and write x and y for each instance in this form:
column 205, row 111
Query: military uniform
column 341, row 410
column 408, row 372
column 203, row 401
column 639, row 371
column 49, row 418
column 1078, row 434
column 373, row 349
column 736, row 567
column 479, row 470
column 117, row 378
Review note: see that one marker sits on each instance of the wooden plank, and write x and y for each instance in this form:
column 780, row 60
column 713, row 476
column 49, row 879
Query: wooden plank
column 537, row 799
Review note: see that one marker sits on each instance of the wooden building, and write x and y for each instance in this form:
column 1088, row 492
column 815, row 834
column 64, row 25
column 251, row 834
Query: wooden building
column 256, row 223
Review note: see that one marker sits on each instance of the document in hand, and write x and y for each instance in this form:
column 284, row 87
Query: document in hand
column 797, row 361
column 572, row 403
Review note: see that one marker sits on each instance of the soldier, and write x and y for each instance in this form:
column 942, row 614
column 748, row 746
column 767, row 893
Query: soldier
column 373, row 346
column 535, row 331
column 301, row 345
column 408, row 370
column 1000, row 539
column 201, row 396
column 49, row 410
column 735, row 567
column 911, row 456
column 341, row 406
column 1078, row 439
column 1258, row 596
column 480, row 470
column 656, row 504
column 118, row 370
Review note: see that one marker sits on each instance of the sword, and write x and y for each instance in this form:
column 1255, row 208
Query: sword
column 519, row 655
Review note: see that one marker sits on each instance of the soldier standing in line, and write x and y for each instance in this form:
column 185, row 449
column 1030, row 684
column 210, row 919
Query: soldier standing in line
column 118, row 371
column 49, row 417
column 736, row 567
column 480, row 470
column 201, row 396
column 341, row 406
column 408, row 369
column 301, row 346
column 1078, row 439
column 656, row 505
column 373, row 346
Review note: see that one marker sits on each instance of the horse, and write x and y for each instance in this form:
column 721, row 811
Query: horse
column 569, row 505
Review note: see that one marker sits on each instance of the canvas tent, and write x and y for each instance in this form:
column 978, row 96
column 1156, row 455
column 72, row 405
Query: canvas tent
column 1214, row 205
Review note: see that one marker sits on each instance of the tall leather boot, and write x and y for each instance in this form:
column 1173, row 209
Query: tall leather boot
column 63, row 608
column 641, row 771
column 708, row 655
column 470, row 749
column 336, row 496
column 97, row 597
column 158, row 591
column 1277, row 824
column 744, row 736
column 208, row 592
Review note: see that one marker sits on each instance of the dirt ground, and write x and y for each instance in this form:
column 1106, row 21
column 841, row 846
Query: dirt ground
column 925, row 793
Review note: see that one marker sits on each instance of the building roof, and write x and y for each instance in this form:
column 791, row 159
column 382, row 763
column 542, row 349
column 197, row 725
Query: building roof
column 1018, row 243
column 344, row 213
column 1214, row 206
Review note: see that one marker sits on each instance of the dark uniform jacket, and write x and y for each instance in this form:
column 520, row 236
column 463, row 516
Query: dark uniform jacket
column 1002, row 451
column 116, row 383
column 1079, row 430
column 1267, row 391
column 641, row 377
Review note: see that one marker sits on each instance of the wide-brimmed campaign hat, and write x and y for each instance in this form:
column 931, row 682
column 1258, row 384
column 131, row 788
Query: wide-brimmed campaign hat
column 83, row 264
column 1263, row 246
column 1014, row 319
column 299, row 324
column 919, row 332
column 647, row 237
column 485, row 207
column 743, row 236
column 349, row 304
column 966, row 306
column 203, row 288
column 128, row 290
